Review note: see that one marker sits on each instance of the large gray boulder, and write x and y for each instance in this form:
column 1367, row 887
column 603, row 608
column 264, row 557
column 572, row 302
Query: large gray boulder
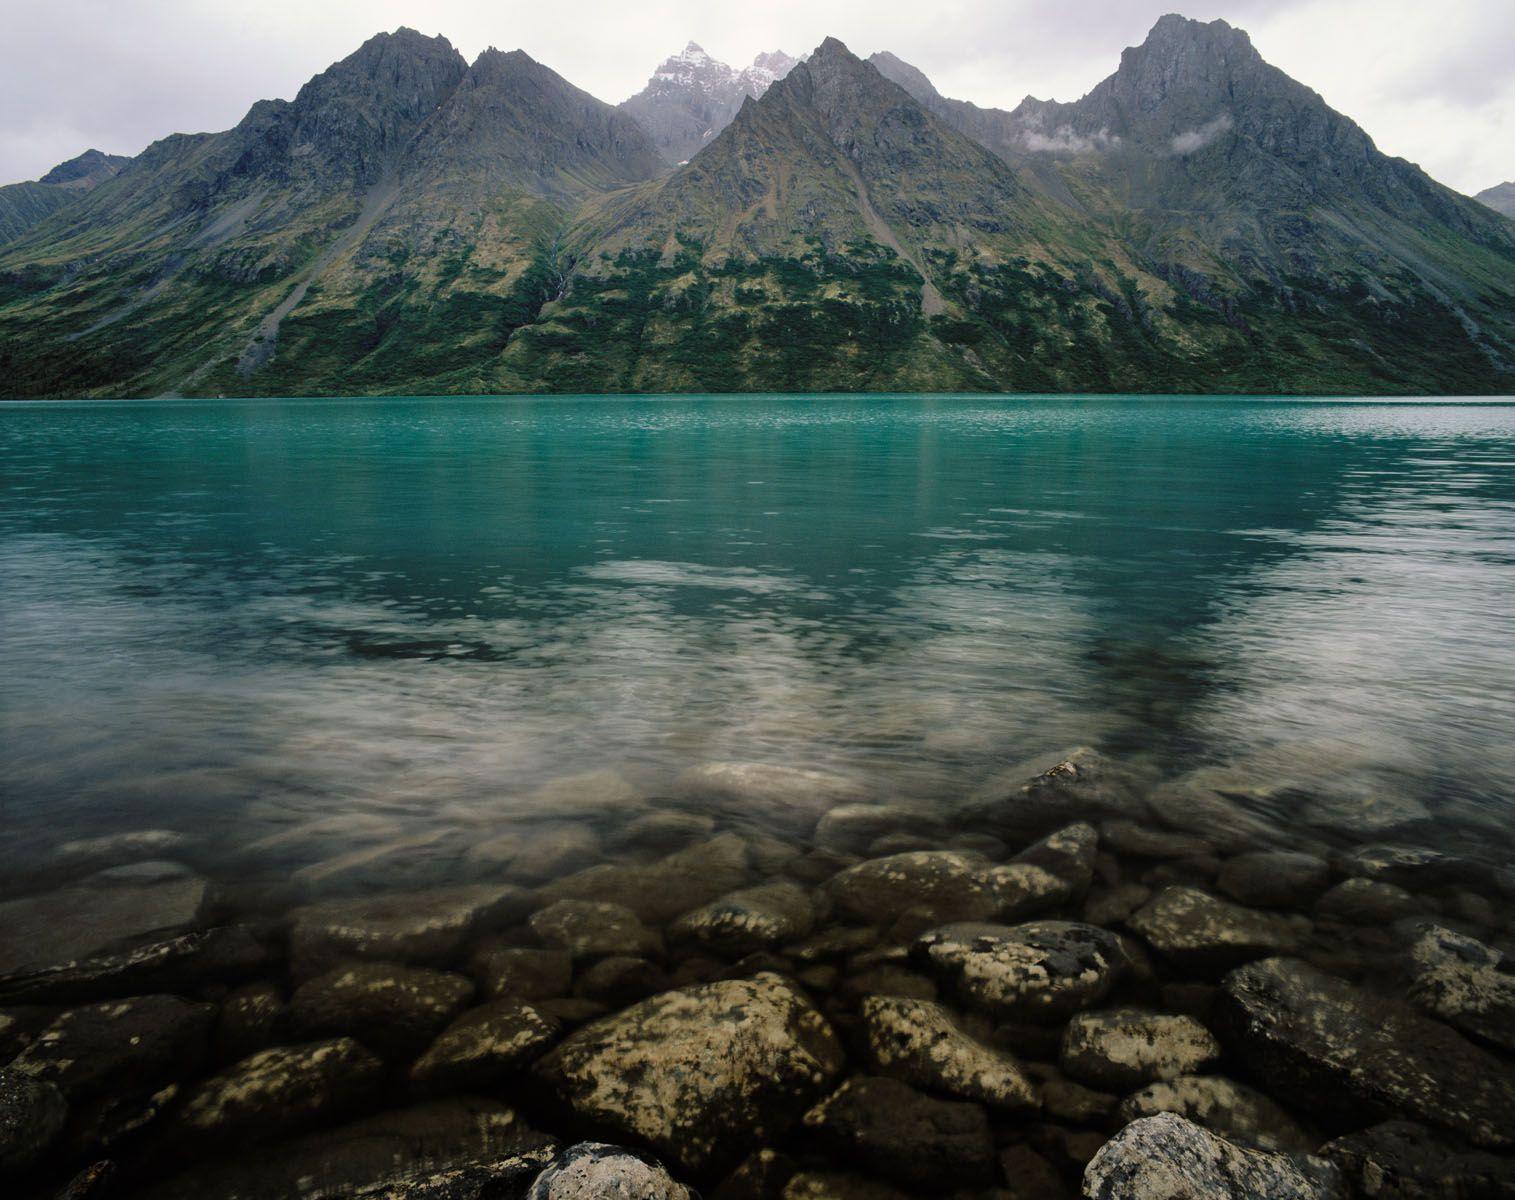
column 1168, row 1158
column 595, row 1171
column 1465, row 983
column 921, row 1043
column 1319, row 1042
column 1038, row 971
column 701, row 1073
column 1124, row 1048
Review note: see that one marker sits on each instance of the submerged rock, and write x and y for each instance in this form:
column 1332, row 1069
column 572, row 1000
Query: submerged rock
column 252, row 1019
column 1192, row 928
column 1042, row 970
column 113, row 849
column 920, row 1042
column 621, row 980
column 33, row 1113
column 591, row 929
column 484, row 1045
column 662, row 890
column 852, row 828
column 537, row 852
column 701, row 1073
column 595, row 1171
column 396, row 1010
column 1406, row 866
column 1082, row 785
column 1367, row 902
column 1274, row 878
column 895, row 1131
column 950, row 884
column 1126, row 1047
column 286, row 1088
column 1400, row 1160
column 771, row 793
column 120, row 1047
column 422, row 928
column 521, row 972
column 1465, row 983
column 1319, row 1042
column 1222, row 1106
column 1167, row 1158
column 750, row 920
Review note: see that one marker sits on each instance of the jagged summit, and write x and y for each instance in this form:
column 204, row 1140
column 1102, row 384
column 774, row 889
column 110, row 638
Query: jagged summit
column 1501, row 198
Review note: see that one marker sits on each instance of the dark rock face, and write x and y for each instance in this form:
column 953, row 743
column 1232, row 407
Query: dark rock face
column 592, row 1170
column 1168, row 1158
column 898, row 1132
column 1040, row 971
column 395, row 1010
column 1317, row 1041
column 283, row 1089
column 1400, row 1160
column 32, row 1115
column 700, row 1073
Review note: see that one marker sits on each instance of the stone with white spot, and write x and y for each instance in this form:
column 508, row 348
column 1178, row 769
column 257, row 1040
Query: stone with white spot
column 923, row 1044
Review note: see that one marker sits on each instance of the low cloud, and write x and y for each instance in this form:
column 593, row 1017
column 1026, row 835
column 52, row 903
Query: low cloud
column 1191, row 141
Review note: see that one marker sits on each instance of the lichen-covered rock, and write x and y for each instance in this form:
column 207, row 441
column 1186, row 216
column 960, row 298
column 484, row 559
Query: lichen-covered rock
column 1233, row 1110
column 1192, row 928
column 1123, row 1048
column 1066, row 856
column 520, row 972
column 120, row 1046
column 701, row 1073
column 769, row 793
column 286, row 1088
column 421, row 928
column 920, row 1043
column 595, row 1171
column 1274, row 878
column 1319, row 1042
column 106, row 912
column 592, row 929
column 660, row 891
column 952, row 885
column 1168, row 1158
column 1400, row 1160
column 392, row 1009
column 1041, row 970
column 484, row 1045
column 892, row 1130
column 1465, row 983
column 32, row 1115
column 749, row 920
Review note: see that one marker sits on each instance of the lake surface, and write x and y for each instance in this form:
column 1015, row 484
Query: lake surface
column 253, row 614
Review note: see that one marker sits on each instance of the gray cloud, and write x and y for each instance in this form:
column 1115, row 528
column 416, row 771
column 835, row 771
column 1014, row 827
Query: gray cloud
column 1191, row 141
column 117, row 74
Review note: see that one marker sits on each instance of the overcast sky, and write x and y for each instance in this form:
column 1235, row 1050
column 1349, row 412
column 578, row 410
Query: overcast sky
column 1430, row 81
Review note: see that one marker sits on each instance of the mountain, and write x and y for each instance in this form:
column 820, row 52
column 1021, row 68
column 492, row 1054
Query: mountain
column 1501, row 198
column 414, row 223
column 692, row 97
column 23, row 205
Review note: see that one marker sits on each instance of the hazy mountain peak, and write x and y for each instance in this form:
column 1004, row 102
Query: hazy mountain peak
column 86, row 170
column 1501, row 198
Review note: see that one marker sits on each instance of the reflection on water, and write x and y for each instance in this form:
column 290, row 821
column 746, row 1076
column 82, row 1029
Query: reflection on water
column 234, row 616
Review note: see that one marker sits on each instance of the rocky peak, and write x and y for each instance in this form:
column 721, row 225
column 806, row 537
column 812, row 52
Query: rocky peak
column 1183, row 56
column 89, row 169
column 766, row 70
column 912, row 79
column 1500, row 198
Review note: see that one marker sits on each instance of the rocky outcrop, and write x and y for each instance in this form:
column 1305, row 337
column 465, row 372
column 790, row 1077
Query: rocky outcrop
column 921, row 1043
column 1168, row 1158
column 700, row 1073
column 1329, row 1047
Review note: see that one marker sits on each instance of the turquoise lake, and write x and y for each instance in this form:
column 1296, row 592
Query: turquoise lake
column 235, row 618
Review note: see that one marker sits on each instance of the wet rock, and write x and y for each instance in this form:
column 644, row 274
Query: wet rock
column 1064, row 1100
column 1274, row 878
column 853, row 828
column 1042, row 970
column 753, row 919
column 1399, row 1160
column 1223, row 1106
column 286, row 1088
column 664, row 831
column 1168, row 1158
column 393, row 1009
column 593, row 795
column 921, row 1043
column 1114, row 905
column 92, row 1183
column 1081, row 785
column 252, row 1019
column 1221, row 805
column 538, row 852
column 595, row 1171
column 621, row 980
column 121, row 1046
column 32, row 1116
column 591, row 929
column 1405, row 866
column 19, row 1025
column 1123, row 1048
column 1192, row 928
column 1029, row 1176
column 948, row 883
column 397, row 1155
column 662, row 890
column 413, row 862
column 761, row 1176
column 834, row 942
column 420, row 928
column 483, row 1046
column 571, row 1011
column 837, row 1185
column 106, row 912
column 701, row 1073
column 1319, row 1042
column 888, row 980
column 521, row 972
column 895, row 1131
column 1068, row 856
column 1365, row 814
column 1366, row 902
column 1138, row 841
column 771, row 793
column 1465, row 983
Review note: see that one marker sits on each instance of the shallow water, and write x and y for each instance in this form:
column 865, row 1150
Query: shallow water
column 263, row 612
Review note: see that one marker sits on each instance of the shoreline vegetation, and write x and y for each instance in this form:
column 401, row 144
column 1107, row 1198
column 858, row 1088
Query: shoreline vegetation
column 764, row 981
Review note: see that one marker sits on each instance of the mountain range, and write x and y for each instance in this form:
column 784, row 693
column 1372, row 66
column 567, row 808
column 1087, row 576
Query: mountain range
column 414, row 223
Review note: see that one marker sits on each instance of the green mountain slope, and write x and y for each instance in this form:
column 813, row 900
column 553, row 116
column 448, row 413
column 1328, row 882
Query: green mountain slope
column 23, row 205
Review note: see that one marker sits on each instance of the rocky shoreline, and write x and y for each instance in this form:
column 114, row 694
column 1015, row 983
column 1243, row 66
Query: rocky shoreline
column 1087, row 981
